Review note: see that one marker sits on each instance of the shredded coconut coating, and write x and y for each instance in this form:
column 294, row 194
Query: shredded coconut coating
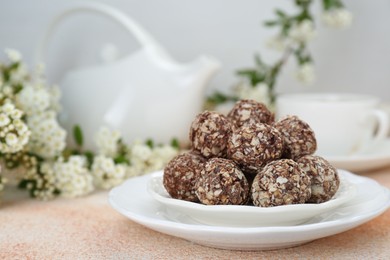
column 299, row 138
column 209, row 133
column 280, row 182
column 181, row 175
column 222, row 183
column 248, row 111
column 325, row 180
column 253, row 146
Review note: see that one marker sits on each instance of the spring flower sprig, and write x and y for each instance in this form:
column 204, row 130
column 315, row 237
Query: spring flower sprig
column 294, row 33
column 33, row 142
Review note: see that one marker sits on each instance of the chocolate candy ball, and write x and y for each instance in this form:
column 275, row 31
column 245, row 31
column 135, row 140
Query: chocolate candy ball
column 254, row 145
column 280, row 182
column 209, row 133
column 299, row 138
column 250, row 112
column 181, row 175
column 222, row 183
column 325, row 180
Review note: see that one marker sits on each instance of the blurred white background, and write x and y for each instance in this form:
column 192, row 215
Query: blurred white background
column 354, row 60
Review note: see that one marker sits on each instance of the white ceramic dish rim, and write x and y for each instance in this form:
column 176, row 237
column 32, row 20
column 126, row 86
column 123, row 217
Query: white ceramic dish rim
column 348, row 193
column 163, row 223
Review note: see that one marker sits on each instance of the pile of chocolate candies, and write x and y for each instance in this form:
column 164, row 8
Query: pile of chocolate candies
column 246, row 158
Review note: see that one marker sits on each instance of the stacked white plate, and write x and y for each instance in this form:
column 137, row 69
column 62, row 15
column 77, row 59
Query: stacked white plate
column 145, row 201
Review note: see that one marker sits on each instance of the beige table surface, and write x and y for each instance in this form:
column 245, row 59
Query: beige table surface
column 88, row 228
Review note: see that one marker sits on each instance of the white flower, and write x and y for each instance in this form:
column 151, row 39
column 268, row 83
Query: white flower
column 339, row 18
column 161, row 155
column 106, row 174
column 141, row 152
column 33, row 100
column 19, row 75
column 277, row 43
column 55, row 96
column 4, row 120
column 72, row 177
column 144, row 159
column 306, row 73
column 8, row 108
column 40, row 68
column 13, row 55
column 48, row 138
column 107, row 141
column 259, row 93
column 11, row 139
column 13, row 131
column 303, row 32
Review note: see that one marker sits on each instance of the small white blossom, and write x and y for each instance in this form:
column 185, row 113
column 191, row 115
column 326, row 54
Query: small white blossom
column 259, row 93
column 40, row 69
column 306, row 74
column 144, row 159
column 33, row 100
column 277, row 43
column 161, row 155
column 106, row 174
column 55, row 96
column 303, row 32
column 141, row 152
column 72, row 177
column 19, row 75
column 11, row 139
column 339, row 18
column 13, row 55
column 14, row 134
column 107, row 141
column 48, row 138
column 4, row 120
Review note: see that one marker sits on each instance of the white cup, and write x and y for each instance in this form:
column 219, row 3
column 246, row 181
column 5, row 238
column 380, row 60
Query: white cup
column 344, row 124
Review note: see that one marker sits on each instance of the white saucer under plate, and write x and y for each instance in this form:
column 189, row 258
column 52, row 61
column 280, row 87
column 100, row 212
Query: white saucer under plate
column 133, row 201
column 248, row 216
column 376, row 159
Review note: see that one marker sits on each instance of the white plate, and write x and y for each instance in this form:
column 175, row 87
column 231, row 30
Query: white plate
column 133, row 201
column 368, row 161
column 248, row 216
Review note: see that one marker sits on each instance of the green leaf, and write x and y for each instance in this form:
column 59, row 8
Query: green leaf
column 280, row 13
column 23, row 184
column 271, row 23
column 247, row 73
column 150, row 143
column 175, row 143
column 90, row 156
column 217, row 98
column 78, row 135
column 18, row 88
column 121, row 159
column 259, row 61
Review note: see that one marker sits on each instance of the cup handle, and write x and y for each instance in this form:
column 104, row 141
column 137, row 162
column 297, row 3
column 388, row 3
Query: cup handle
column 382, row 131
column 383, row 124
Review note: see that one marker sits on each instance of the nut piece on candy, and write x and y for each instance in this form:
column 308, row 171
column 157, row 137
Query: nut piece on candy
column 299, row 138
column 181, row 175
column 280, row 182
column 325, row 180
column 254, row 145
column 209, row 133
column 250, row 112
column 222, row 183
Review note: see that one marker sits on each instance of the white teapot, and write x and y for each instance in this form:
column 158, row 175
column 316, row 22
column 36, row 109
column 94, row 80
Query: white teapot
column 144, row 95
